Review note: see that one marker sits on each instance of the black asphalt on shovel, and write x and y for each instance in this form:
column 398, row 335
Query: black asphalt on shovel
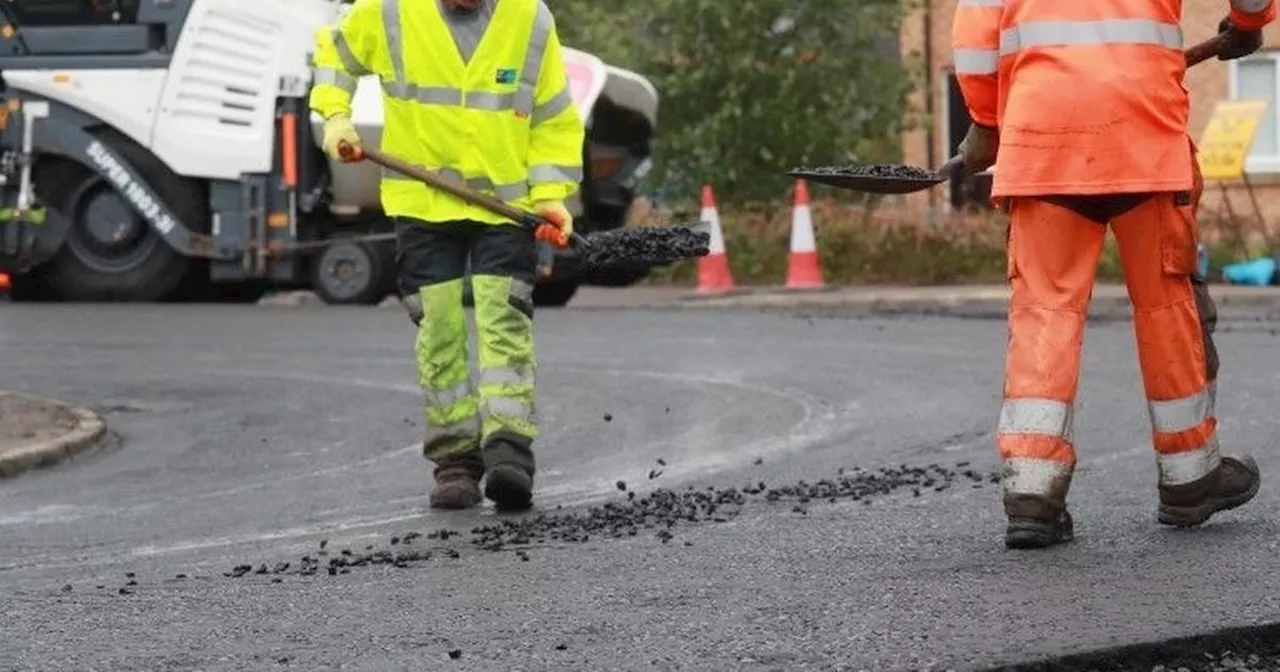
column 889, row 178
column 624, row 247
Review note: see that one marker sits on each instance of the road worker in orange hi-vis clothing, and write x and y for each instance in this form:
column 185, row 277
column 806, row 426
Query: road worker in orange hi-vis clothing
column 1080, row 107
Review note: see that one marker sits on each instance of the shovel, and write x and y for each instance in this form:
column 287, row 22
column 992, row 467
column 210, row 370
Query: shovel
column 903, row 179
column 617, row 248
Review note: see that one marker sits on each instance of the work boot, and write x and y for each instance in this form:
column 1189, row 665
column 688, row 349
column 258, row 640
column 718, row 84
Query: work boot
column 1025, row 532
column 457, row 483
column 1036, row 521
column 1232, row 484
column 509, row 470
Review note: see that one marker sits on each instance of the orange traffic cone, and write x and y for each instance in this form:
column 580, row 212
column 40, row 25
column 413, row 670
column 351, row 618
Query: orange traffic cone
column 714, row 276
column 803, row 269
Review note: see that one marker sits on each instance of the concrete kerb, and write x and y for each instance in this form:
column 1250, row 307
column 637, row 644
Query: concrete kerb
column 89, row 430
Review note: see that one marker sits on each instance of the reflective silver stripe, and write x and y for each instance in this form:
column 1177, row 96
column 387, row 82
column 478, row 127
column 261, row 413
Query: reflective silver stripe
column 507, row 407
column 1250, row 6
column 550, row 109
column 1036, row 416
column 1079, row 33
column 521, row 291
column 494, row 102
column 331, row 76
column 543, row 22
column 395, row 37
column 462, row 429
column 441, row 95
column 1179, row 415
column 432, row 95
column 982, row 3
column 506, row 192
column 449, row 397
column 349, row 61
column 977, row 61
column 1033, row 476
column 1189, row 466
column 511, row 192
column 543, row 173
column 504, row 377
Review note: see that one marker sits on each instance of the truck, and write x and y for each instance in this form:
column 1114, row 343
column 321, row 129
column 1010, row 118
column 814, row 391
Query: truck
column 164, row 150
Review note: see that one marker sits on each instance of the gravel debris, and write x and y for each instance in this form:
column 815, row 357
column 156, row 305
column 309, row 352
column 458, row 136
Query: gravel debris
column 658, row 514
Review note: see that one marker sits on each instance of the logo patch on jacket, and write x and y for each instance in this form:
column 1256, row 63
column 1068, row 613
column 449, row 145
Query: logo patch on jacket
column 505, row 76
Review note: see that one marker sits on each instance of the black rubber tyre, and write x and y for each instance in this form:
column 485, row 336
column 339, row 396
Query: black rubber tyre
column 617, row 277
column 554, row 294
column 31, row 287
column 138, row 266
column 349, row 273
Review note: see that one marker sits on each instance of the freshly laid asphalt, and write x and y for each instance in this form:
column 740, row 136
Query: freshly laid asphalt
column 247, row 435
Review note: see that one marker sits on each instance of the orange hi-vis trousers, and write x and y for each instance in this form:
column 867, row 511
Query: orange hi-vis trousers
column 1053, row 257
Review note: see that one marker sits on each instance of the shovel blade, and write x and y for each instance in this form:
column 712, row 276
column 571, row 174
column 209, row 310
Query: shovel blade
column 871, row 184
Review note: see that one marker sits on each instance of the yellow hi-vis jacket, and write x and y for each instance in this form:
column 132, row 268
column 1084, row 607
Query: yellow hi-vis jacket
column 504, row 121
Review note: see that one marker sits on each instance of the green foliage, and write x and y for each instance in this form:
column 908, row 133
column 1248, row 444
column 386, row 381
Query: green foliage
column 854, row 251
column 751, row 88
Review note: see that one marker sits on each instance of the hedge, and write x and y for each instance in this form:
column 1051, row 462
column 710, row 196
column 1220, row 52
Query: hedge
column 893, row 244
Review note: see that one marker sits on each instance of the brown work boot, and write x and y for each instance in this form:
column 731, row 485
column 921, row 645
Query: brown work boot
column 1232, row 484
column 1036, row 522
column 509, row 468
column 457, row 483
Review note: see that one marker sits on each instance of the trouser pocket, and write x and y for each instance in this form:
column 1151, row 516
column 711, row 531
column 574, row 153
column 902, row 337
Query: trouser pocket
column 1178, row 236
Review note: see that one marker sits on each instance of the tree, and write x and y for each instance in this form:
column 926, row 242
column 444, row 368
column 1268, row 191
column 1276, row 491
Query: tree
column 751, row 88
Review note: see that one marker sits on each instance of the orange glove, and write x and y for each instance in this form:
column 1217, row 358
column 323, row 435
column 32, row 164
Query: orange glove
column 560, row 225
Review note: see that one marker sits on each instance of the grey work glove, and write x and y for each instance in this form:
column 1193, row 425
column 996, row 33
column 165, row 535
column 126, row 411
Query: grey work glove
column 979, row 148
column 1238, row 43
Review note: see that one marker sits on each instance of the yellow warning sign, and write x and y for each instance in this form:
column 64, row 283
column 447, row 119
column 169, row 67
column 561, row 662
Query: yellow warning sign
column 1228, row 137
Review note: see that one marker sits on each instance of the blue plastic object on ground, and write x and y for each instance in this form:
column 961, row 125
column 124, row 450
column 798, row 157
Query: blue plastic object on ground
column 1258, row 272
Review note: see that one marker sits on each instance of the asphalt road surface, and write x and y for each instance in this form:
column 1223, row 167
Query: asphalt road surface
column 250, row 435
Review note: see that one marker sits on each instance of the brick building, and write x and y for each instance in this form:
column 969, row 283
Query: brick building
column 926, row 40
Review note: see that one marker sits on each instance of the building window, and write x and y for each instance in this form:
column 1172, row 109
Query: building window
column 1258, row 78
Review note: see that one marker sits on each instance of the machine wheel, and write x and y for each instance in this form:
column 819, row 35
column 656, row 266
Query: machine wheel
column 31, row 287
column 554, row 294
column 618, row 277
column 111, row 252
column 347, row 273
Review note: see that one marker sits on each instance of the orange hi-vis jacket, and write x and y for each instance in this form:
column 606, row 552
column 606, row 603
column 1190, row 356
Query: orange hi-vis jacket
column 1088, row 95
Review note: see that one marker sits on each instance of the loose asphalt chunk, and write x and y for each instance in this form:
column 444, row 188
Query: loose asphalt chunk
column 886, row 170
column 642, row 245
